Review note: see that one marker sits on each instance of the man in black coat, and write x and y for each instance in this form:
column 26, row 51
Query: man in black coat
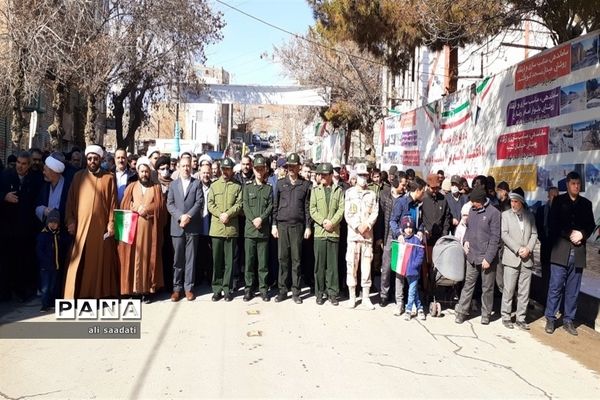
column 19, row 189
column 571, row 223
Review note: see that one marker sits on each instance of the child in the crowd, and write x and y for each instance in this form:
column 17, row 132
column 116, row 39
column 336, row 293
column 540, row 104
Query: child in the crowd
column 51, row 250
column 413, row 269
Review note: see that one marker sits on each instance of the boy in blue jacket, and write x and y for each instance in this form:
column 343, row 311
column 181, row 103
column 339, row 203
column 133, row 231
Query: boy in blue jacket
column 413, row 269
column 50, row 250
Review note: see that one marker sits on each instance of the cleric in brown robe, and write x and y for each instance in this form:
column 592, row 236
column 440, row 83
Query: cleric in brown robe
column 141, row 262
column 92, row 271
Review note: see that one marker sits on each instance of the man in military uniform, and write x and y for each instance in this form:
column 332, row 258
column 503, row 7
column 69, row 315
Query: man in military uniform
column 224, row 204
column 327, row 211
column 291, row 223
column 361, row 210
column 258, row 205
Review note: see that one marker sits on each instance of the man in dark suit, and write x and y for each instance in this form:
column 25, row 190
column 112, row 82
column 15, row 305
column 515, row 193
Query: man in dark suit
column 19, row 189
column 571, row 224
column 185, row 202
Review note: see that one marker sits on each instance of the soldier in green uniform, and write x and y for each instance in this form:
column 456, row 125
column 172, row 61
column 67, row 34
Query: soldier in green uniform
column 224, row 204
column 258, row 205
column 327, row 211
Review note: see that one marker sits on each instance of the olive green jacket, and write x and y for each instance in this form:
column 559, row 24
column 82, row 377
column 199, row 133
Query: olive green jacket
column 320, row 210
column 224, row 197
column 258, row 202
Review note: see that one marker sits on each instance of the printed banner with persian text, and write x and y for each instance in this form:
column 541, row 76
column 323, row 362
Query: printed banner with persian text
column 529, row 125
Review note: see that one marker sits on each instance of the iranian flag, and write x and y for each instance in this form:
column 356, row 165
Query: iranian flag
column 401, row 253
column 125, row 225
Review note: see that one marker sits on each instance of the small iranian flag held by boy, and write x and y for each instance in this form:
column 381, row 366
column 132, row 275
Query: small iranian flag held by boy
column 125, row 225
column 401, row 254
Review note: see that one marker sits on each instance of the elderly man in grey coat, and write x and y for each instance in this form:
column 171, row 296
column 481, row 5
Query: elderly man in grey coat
column 519, row 235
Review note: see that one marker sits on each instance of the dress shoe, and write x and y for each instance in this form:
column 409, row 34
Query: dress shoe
column 320, row 300
column 549, row 327
column 280, row 297
column 522, row 325
column 383, row 303
column 176, row 296
column 189, row 295
column 508, row 323
column 146, row 299
column 333, row 300
column 265, row 297
column 297, row 299
column 460, row 318
column 485, row 320
column 248, row 296
column 228, row 297
column 217, row 297
column 570, row 328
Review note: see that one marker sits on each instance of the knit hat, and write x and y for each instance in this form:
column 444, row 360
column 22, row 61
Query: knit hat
column 53, row 216
column 407, row 222
column 446, row 185
column 455, row 179
column 518, row 194
column 478, row 194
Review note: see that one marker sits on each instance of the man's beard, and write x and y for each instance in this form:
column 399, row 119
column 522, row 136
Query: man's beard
column 145, row 182
column 94, row 171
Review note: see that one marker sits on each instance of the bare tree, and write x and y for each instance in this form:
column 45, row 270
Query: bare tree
column 353, row 76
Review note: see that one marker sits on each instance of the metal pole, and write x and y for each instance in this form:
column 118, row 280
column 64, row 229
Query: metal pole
column 177, row 148
column 229, row 120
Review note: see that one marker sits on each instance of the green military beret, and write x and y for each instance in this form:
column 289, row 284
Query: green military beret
column 260, row 161
column 293, row 159
column 227, row 163
column 325, row 168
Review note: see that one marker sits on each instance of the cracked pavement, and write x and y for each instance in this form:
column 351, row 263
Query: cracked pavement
column 202, row 349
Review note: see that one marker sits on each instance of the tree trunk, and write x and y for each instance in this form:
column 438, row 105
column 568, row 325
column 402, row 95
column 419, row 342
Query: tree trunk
column 90, row 121
column 451, row 79
column 119, row 113
column 56, row 129
column 17, row 125
column 136, row 116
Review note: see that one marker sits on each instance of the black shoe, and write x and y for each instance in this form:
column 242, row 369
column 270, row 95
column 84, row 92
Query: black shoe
column 549, row 327
column 297, row 299
column 147, row 299
column 280, row 297
column 460, row 318
column 508, row 324
column 44, row 309
column 248, row 296
column 570, row 328
column 228, row 297
column 265, row 297
column 485, row 320
column 217, row 297
column 333, row 300
column 320, row 300
column 383, row 303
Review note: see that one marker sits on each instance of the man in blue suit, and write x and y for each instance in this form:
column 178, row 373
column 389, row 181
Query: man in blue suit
column 185, row 203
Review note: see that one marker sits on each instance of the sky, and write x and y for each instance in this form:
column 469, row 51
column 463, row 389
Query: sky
column 245, row 39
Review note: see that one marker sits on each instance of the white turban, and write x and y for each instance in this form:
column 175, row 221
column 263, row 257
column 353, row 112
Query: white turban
column 143, row 160
column 152, row 149
column 205, row 157
column 55, row 165
column 94, row 148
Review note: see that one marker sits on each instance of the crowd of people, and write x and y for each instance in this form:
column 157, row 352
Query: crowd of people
column 275, row 225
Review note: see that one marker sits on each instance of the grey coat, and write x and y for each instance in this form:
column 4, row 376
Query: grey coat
column 514, row 238
column 483, row 234
column 191, row 203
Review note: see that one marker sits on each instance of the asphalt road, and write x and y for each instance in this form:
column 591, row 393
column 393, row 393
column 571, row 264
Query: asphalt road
column 202, row 349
